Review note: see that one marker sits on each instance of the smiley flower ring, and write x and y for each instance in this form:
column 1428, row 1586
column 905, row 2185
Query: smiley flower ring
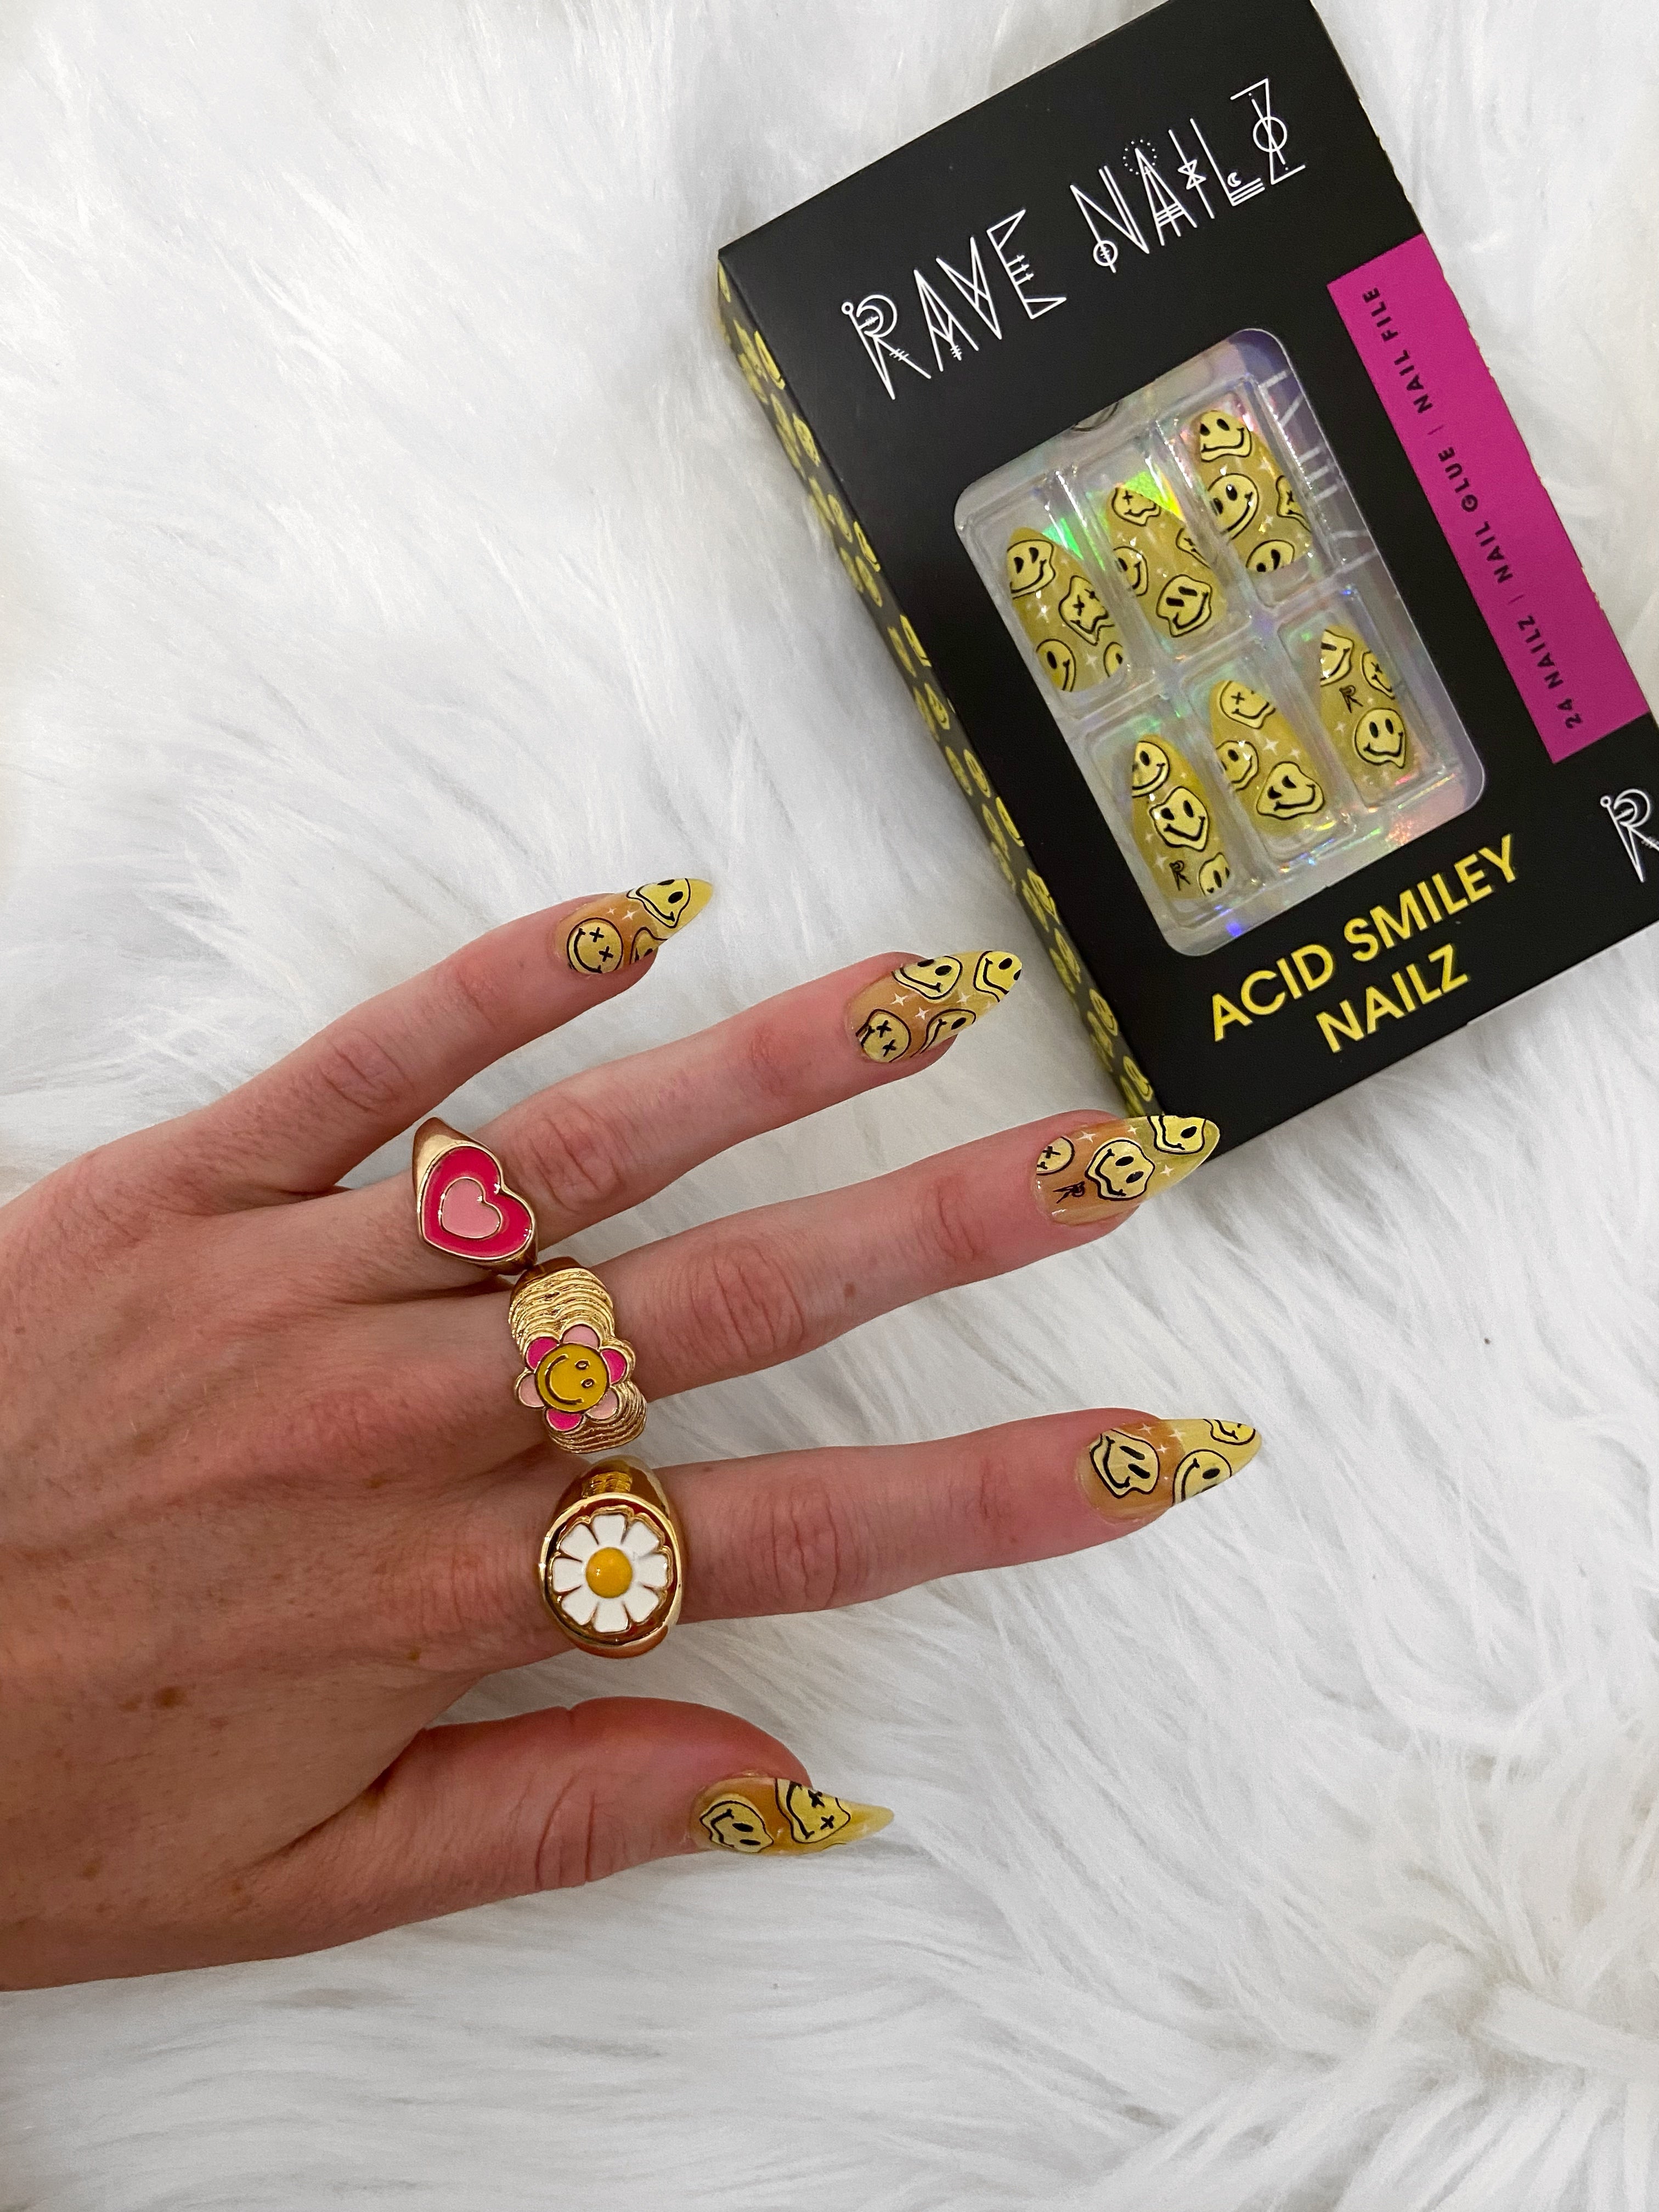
column 577, row 1370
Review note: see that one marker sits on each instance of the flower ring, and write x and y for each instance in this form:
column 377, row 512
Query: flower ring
column 577, row 1370
column 611, row 1568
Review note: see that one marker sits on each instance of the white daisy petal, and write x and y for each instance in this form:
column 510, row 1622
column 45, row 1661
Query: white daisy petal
column 640, row 1539
column 653, row 1571
column 611, row 1618
column 580, row 1606
column 639, row 1603
column 609, row 1529
column 568, row 1574
column 579, row 1543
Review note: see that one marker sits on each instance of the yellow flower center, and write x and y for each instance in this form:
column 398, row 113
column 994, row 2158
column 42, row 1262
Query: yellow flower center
column 610, row 1572
column 572, row 1376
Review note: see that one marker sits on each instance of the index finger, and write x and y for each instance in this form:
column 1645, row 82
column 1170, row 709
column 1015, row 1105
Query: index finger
column 304, row 1123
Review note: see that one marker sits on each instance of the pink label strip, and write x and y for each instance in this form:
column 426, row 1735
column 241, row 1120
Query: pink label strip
column 1499, row 520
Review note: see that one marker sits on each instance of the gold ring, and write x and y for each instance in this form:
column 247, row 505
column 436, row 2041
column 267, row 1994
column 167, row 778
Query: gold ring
column 612, row 1567
column 577, row 1370
column 464, row 1206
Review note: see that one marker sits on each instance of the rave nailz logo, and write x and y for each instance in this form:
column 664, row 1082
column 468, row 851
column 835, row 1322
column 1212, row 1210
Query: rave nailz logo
column 1161, row 189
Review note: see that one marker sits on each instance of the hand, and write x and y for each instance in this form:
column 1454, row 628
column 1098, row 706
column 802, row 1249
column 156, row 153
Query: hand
column 269, row 1504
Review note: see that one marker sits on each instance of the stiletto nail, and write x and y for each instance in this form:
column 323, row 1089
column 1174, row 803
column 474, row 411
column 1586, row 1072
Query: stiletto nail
column 1270, row 771
column 1177, row 833
column 625, row 927
column 1159, row 560
column 753, row 1813
column 1250, row 496
column 926, row 1002
column 1092, row 1174
column 1133, row 1474
column 1362, row 719
column 1069, row 625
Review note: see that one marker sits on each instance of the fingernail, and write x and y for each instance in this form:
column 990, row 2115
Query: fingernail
column 1092, row 1174
column 1362, row 720
column 1272, row 773
column 751, row 1814
column 1069, row 625
column 926, row 1002
column 1161, row 563
column 1250, row 494
column 625, row 927
column 1133, row 1474
column 1177, row 835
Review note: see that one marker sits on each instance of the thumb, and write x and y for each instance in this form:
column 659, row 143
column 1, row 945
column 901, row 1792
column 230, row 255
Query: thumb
column 474, row 1812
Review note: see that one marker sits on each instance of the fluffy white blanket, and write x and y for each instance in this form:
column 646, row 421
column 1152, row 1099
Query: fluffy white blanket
column 386, row 546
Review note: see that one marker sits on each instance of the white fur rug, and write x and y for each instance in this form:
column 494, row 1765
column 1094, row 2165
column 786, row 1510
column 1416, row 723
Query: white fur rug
column 388, row 545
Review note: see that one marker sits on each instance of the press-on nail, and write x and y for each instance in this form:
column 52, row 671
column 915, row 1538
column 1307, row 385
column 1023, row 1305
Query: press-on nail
column 624, row 927
column 1159, row 560
column 1173, row 824
column 926, row 1002
column 1272, row 773
column 753, row 1816
column 1362, row 719
column 1250, row 496
column 1069, row 625
column 1133, row 1474
column 1096, row 1173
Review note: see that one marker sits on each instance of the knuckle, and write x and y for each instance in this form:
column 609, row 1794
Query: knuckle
column 953, row 1227
column 769, row 1063
column 819, row 1560
column 749, row 1310
column 569, row 1851
column 578, row 1158
column 478, row 993
column 354, row 1065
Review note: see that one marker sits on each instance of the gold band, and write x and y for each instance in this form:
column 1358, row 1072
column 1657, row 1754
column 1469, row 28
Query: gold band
column 612, row 1565
column 578, row 1371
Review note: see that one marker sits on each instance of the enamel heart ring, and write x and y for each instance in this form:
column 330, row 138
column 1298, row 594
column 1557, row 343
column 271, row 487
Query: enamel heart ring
column 463, row 1205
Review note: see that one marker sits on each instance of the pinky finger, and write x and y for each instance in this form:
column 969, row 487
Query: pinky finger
column 472, row 1814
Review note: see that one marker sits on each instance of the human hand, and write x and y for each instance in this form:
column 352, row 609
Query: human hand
column 269, row 1505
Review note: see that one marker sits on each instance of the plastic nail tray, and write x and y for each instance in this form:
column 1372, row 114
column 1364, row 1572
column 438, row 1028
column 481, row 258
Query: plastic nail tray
column 1221, row 829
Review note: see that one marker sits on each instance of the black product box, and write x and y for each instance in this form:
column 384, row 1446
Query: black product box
column 1142, row 418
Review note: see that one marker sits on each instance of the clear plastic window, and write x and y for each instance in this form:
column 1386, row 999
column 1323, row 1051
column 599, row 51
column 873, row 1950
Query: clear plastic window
column 1195, row 587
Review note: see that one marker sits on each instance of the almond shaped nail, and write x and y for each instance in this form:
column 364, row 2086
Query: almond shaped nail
column 1069, row 625
column 1133, row 1474
column 1097, row 1172
column 755, row 1815
column 1270, row 772
column 625, row 927
column 928, row 1002
column 1249, row 491
column 1158, row 559
column 1174, row 825
column 1362, row 718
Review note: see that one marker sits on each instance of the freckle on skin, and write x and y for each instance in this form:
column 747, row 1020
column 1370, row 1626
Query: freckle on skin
column 131, row 1705
column 414, row 1656
column 92, row 1869
column 170, row 1696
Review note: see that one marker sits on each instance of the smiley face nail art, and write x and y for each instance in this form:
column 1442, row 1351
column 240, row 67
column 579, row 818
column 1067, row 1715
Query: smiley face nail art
column 1361, row 715
column 627, row 927
column 1135, row 1473
column 1070, row 628
column 1270, row 772
column 1173, row 823
column 1098, row 1172
column 1250, row 494
column 756, row 1817
column 1160, row 562
column 926, row 1003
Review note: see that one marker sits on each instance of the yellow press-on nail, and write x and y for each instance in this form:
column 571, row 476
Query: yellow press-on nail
column 1174, row 826
column 1271, row 773
column 1159, row 560
column 755, row 1815
column 1361, row 715
column 926, row 1002
column 1098, row 1172
column 1250, row 494
column 623, row 927
column 1069, row 625
column 1132, row 1474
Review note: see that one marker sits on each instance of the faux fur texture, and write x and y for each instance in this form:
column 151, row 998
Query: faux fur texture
column 389, row 547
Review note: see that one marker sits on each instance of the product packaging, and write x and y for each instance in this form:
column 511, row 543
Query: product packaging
column 1141, row 416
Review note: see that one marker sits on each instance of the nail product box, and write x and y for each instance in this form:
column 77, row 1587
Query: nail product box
column 1141, row 417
